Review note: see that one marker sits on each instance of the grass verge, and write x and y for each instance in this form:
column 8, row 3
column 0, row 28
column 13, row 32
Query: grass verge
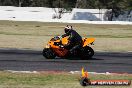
column 52, row 80
column 34, row 35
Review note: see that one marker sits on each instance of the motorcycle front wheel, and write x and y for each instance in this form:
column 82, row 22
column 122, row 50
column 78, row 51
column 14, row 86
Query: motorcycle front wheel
column 48, row 53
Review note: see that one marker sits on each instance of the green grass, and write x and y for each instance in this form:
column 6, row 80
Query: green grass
column 51, row 80
column 51, row 29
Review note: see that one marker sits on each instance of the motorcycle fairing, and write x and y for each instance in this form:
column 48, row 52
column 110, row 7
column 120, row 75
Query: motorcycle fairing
column 87, row 41
column 60, row 52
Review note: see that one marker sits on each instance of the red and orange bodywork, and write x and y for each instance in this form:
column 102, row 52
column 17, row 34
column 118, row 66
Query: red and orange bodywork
column 61, row 51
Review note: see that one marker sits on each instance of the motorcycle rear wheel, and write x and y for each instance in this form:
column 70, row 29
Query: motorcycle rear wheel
column 48, row 53
column 88, row 52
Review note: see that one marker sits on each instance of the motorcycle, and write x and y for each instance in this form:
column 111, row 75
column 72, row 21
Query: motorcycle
column 54, row 48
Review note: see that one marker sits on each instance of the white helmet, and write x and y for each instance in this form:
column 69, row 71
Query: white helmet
column 68, row 29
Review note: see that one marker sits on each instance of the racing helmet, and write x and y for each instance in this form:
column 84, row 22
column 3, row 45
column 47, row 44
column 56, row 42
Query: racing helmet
column 68, row 29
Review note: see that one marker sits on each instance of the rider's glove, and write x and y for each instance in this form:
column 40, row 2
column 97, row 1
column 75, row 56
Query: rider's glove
column 64, row 35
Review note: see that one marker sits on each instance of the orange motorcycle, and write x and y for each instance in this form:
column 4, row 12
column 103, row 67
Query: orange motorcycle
column 53, row 48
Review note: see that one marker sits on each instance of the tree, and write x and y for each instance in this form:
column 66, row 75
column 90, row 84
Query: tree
column 116, row 7
column 7, row 3
column 90, row 4
column 26, row 3
column 128, row 5
column 63, row 6
column 0, row 2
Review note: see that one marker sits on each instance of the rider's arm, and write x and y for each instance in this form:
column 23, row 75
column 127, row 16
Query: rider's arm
column 64, row 35
column 71, row 37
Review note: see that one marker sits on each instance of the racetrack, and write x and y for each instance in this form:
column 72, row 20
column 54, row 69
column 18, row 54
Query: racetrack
column 32, row 60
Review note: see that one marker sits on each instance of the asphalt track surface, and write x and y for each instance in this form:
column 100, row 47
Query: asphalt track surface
column 32, row 60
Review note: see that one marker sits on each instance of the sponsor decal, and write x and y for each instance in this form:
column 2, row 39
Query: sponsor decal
column 85, row 81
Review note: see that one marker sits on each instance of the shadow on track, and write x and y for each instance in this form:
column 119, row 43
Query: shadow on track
column 82, row 58
column 38, row 54
column 19, row 51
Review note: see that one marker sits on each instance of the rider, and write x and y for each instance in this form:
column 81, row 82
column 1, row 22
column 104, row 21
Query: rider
column 75, row 40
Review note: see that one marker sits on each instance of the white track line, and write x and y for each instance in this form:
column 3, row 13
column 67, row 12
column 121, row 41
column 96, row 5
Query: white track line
column 71, row 72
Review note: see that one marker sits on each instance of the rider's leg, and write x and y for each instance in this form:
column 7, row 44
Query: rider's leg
column 74, row 48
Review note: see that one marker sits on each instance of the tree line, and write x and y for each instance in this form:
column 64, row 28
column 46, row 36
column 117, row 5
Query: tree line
column 90, row 4
column 39, row 3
